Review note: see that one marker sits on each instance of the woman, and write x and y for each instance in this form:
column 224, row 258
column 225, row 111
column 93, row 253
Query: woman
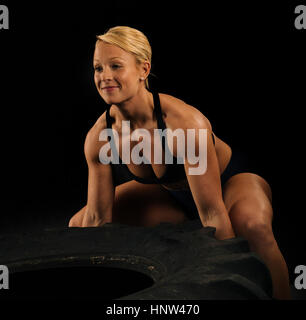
column 235, row 202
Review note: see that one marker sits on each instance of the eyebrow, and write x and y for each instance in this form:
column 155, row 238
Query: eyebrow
column 110, row 58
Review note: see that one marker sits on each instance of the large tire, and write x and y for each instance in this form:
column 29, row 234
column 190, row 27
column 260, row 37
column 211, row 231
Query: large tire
column 184, row 262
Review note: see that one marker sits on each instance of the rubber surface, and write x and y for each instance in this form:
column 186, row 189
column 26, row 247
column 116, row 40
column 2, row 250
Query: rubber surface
column 184, row 261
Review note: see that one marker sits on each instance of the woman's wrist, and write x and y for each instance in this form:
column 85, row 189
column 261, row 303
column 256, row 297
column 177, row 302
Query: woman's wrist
column 93, row 219
column 222, row 223
column 224, row 232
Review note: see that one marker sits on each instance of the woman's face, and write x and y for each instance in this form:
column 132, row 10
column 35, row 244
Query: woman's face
column 117, row 75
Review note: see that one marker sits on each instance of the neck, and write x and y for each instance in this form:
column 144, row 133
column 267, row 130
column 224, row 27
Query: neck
column 138, row 109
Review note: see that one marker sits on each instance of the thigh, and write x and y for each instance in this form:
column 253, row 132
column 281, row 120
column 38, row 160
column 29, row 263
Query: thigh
column 145, row 204
column 248, row 200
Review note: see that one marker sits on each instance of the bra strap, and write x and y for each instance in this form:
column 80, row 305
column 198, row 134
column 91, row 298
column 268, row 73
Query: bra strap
column 159, row 116
column 158, row 112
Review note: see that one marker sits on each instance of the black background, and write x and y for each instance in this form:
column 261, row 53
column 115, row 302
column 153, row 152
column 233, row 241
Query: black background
column 242, row 64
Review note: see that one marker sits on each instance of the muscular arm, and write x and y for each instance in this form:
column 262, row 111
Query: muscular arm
column 100, row 195
column 206, row 187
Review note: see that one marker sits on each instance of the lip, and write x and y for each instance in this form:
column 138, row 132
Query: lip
column 110, row 88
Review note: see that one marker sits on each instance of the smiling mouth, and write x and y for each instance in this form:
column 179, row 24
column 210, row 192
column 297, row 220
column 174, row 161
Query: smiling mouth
column 109, row 88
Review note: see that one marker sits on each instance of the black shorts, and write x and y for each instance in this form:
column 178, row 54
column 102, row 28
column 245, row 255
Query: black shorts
column 239, row 163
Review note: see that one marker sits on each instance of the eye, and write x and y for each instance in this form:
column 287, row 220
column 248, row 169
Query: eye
column 115, row 66
column 98, row 68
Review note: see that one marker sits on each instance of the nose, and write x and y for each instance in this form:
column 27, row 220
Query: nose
column 106, row 74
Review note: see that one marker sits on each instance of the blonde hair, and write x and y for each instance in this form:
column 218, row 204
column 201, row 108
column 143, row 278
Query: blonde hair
column 130, row 40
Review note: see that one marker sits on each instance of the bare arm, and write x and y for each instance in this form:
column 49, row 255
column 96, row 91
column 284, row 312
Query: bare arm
column 100, row 196
column 206, row 187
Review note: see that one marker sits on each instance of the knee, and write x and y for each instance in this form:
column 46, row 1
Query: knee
column 252, row 217
column 258, row 233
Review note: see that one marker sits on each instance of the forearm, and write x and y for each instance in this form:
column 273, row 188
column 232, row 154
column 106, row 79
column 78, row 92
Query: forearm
column 219, row 219
column 100, row 194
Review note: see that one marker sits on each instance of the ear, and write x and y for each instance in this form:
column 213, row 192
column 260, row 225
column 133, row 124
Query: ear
column 145, row 69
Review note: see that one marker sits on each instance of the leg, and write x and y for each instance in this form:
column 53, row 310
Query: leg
column 140, row 204
column 145, row 205
column 248, row 199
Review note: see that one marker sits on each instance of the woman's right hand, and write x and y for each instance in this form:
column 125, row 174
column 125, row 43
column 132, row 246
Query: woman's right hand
column 91, row 220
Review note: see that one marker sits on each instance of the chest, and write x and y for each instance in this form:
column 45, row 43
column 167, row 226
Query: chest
column 143, row 153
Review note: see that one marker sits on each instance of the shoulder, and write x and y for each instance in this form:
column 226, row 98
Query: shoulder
column 92, row 143
column 178, row 114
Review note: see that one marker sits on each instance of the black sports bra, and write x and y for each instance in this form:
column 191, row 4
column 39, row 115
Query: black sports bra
column 174, row 172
